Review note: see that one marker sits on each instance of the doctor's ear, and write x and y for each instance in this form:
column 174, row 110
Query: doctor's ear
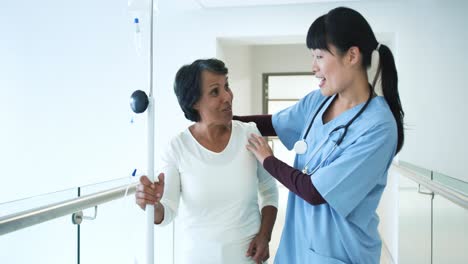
column 353, row 55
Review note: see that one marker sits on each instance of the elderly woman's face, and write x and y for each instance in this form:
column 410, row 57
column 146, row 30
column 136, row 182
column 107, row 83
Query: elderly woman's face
column 215, row 103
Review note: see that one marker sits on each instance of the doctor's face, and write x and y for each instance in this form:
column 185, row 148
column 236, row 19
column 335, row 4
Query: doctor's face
column 330, row 70
column 215, row 103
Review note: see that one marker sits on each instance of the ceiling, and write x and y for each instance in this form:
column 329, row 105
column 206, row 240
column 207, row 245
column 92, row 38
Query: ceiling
column 247, row 3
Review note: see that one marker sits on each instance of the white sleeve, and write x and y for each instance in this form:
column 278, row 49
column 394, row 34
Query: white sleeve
column 171, row 195
column 267, row 188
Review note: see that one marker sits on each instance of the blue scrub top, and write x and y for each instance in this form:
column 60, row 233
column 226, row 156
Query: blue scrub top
column 344, row 229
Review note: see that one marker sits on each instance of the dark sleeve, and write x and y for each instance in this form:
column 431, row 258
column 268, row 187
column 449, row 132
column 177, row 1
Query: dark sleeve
column 296, row 181
column 264, row 123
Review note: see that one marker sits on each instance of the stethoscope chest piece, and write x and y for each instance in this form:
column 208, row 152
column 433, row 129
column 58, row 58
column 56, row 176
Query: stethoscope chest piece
column 300, row 147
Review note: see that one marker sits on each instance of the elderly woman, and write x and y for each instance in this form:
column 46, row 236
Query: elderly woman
column 218, row 180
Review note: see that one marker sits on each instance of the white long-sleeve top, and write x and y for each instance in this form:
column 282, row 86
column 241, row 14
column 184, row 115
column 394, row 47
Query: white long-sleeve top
column 219, row 209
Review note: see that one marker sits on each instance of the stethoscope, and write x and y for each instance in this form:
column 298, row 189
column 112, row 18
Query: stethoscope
column 300, row 147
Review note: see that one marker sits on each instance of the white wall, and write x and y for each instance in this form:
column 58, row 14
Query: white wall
column 276, row 59
column 238, row 59
column 247, row 62
column 66, row 74
column 432, row 66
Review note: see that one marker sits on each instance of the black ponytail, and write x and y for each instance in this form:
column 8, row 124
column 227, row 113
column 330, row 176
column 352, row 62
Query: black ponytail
column 390, row 90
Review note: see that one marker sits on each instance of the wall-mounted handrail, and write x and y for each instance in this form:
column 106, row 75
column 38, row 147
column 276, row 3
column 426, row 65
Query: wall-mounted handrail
column 16, row 221
column 439, row 189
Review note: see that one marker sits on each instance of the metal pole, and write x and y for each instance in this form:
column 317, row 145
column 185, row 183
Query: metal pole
column 150, row 209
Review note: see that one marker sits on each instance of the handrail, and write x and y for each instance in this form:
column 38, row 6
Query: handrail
column 449, row 193
column 45, row 213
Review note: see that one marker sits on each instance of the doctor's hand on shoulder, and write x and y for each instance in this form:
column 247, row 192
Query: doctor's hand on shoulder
column 148, row 192
column 259, row 147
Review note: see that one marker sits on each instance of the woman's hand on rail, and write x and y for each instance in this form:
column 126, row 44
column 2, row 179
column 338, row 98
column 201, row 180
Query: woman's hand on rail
column 149, row 193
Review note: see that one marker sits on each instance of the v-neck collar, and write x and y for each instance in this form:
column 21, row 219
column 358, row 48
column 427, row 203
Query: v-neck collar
column 192, row 137
column 351, row 111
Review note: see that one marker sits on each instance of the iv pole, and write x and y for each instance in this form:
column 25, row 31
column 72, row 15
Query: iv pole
column 150, row 209
column 140, row 102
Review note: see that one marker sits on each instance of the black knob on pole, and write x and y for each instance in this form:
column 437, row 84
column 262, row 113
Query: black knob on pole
column 139, row 101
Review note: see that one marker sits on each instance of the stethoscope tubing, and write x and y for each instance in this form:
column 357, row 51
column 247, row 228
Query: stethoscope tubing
column 323, row 161
column 340, row 139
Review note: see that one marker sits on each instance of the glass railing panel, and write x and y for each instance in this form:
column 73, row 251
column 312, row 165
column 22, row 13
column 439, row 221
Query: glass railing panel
column 51, row 242
column 117, row 235
column 450, row 232
column 414, row 224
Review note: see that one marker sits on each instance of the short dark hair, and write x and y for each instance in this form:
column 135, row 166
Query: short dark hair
column 188, row 84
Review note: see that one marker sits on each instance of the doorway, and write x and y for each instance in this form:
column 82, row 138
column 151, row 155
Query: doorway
column 282, row 90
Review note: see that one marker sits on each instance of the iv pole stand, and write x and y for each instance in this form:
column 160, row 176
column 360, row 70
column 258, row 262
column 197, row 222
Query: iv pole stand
column 140, row 102
column 150, row 209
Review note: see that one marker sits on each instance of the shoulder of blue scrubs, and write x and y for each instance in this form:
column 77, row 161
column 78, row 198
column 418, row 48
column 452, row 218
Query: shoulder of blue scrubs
column 289, row 123
column 377, row 114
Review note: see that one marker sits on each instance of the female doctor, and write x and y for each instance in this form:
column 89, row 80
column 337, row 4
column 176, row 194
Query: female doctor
column 345, row 137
